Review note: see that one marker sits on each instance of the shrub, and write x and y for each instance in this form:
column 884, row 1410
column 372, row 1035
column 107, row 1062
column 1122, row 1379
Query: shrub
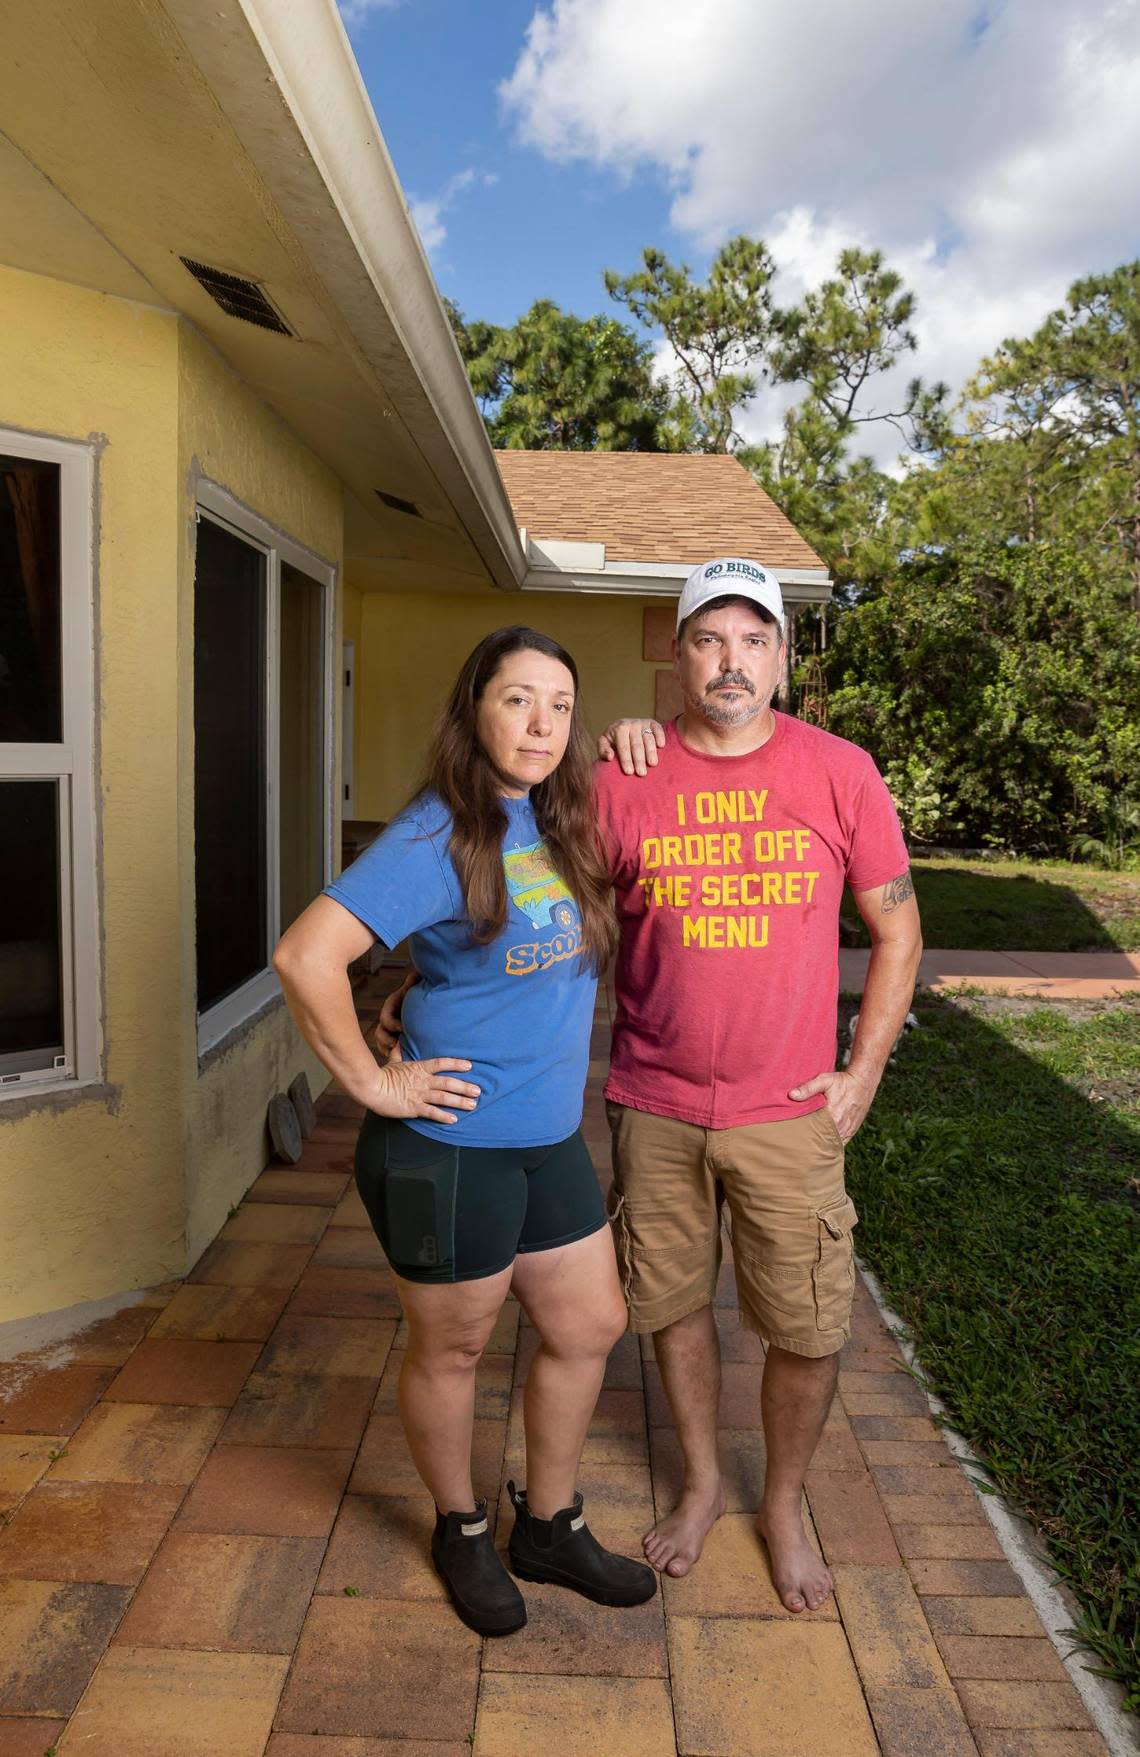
column 999, row 691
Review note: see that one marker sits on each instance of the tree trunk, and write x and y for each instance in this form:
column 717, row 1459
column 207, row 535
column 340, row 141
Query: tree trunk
column 784, row 693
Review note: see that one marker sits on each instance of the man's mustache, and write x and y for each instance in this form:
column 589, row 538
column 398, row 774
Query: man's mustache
column 736, row 678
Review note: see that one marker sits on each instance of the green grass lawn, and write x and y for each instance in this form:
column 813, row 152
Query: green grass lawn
column 998, row 1183
column 1013, row 905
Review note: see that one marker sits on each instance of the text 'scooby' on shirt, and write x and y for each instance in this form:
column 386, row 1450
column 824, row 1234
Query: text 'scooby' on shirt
column 729, row 873
column 519, row 1009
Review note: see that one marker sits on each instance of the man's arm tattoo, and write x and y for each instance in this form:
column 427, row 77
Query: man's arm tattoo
column 897, row 891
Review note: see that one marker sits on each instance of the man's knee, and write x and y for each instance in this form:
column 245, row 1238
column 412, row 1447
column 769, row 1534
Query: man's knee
column 826, row 1364
column 695, row 1323
column 690, row 1343
column 814, row 1373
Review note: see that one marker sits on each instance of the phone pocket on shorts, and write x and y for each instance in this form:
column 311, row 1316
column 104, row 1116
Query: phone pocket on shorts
column 833, row 1273
column 419, row 1210
column 409, row 1190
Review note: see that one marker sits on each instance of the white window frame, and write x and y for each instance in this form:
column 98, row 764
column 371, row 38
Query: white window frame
column 348, row 733
column 71, row 764
column 216, row 504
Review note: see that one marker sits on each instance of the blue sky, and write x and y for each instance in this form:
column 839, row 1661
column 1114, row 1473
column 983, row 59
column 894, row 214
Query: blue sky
column 989, row 149
column 542, row 229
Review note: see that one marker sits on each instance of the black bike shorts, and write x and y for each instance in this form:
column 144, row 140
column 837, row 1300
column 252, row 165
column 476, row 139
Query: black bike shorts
column 447, row 1213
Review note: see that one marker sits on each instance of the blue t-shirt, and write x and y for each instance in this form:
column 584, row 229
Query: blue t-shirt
column 519, row 1009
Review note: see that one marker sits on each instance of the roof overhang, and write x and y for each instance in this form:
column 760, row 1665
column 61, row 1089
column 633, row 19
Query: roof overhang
column 240, row 134
column 584, row 567
column 330, row 171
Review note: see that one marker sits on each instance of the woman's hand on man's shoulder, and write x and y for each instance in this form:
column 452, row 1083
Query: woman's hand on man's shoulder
column 634, row 743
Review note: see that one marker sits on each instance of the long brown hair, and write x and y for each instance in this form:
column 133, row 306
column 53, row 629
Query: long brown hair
column 461, row 773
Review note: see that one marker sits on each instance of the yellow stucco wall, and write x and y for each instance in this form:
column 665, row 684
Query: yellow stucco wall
column 111, row 1188
column 229, row 437
column 91, row 1190
column 410, row 648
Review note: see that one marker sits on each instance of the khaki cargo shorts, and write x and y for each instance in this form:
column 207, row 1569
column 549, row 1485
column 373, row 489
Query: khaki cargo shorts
column 790, row 1223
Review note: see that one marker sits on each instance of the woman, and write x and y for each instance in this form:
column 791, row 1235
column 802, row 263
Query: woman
column 481, row 1186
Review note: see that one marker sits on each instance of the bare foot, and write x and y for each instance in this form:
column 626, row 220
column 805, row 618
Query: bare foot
column 674, row 1543
column 800, row 1578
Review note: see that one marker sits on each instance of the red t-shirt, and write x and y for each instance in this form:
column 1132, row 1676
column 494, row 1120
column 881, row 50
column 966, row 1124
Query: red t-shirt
column 729, row 874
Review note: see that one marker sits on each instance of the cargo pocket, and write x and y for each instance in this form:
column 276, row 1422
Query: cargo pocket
column 833, row 1273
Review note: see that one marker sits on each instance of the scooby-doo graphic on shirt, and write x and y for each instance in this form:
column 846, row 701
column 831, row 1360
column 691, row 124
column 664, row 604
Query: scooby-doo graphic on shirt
column 542, row 896
column 535, row 889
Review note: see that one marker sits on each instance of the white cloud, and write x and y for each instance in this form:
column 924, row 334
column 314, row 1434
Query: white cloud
column 358, row 12
column 989, row 147
column 428, row 212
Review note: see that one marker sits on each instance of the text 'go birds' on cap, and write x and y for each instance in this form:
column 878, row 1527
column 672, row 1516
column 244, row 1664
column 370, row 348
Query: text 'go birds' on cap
column 731, row 577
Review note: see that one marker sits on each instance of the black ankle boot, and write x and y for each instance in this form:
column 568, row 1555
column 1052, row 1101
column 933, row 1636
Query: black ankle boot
column 466, row 1560
column 564, row 1552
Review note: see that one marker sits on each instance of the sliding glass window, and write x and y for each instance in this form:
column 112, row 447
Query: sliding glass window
column 230, row 874
column 262, row 752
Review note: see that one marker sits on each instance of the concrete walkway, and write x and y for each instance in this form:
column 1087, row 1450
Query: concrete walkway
column 215, row 1543
column 1053, row 975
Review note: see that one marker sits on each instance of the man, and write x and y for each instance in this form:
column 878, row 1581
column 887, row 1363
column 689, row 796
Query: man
column 731, row 846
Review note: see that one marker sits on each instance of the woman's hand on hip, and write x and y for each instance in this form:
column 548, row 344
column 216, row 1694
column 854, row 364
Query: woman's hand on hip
column 407, row 1089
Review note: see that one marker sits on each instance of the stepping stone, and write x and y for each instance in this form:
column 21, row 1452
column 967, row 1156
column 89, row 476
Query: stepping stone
column 284, row 1129
column 302, row 1100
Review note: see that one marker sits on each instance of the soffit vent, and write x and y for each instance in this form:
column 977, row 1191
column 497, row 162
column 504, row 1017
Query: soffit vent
column 237, row 297
column 398, row 505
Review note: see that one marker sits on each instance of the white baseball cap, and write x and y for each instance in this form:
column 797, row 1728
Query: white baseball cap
column 731, row 577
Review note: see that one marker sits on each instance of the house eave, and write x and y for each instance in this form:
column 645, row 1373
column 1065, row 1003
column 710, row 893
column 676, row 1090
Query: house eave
column 310, row 130
column 800, row 585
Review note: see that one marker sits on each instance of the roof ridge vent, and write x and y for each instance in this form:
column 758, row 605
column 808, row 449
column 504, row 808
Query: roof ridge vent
column 237, row 296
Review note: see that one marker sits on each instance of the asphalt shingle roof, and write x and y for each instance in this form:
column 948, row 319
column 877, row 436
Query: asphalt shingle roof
column 651, row 506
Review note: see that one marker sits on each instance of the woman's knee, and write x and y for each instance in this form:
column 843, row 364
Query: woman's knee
column 454, row 1349
column 610, row 1314
column 617, row 1323
column 586, row 1333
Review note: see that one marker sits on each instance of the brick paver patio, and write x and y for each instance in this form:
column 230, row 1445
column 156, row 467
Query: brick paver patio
column 215, row 1543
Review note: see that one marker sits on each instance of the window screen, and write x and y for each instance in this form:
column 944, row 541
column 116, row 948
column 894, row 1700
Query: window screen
column 31, row 969
column 30, row 677
column 229, row 762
